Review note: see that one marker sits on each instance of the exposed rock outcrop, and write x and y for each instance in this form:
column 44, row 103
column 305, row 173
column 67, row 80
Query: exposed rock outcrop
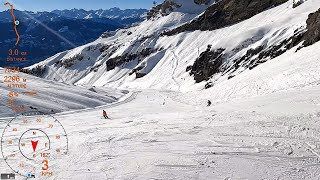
column 162, row 9
column 202, row 1
column 225, row 13
column 207, row 64
column 297, row 3
column 70, row 61
column 37, row 71
column 313, row 29
column 120, row 60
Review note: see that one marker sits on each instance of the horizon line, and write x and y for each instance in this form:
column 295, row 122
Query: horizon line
column 76, row 9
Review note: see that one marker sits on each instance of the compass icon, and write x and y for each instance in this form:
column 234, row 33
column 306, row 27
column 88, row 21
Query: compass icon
column 32, row 142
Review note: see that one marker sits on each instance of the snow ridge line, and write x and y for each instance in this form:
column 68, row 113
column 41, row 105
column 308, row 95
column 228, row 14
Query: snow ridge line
column 130, row 98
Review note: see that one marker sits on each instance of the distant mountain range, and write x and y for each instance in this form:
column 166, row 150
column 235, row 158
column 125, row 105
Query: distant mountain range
column 124, row 17
column 44, row 34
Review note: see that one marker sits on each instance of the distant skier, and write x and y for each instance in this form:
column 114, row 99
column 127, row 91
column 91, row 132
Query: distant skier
column 105, row 114
column 209, row 103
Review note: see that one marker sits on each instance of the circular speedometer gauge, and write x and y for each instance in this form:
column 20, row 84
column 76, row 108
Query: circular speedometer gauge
column 32, row 142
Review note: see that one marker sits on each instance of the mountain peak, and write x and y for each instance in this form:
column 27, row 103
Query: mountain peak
column 115, row 9
column 184, row 6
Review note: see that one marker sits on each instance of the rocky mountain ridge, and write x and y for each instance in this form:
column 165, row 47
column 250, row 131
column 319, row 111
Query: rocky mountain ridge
column 147, row 56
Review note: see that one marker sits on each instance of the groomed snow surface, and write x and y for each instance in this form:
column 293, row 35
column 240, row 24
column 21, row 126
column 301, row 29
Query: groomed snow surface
column 153, row 136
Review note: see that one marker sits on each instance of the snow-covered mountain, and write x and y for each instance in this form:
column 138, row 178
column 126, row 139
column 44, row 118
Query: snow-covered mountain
column 44, row 34
column 186, row 46
column 125, row 17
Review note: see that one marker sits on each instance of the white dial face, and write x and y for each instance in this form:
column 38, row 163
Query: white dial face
column 31, row 143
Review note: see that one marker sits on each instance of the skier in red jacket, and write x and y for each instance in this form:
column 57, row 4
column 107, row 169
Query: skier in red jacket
column 105, row 114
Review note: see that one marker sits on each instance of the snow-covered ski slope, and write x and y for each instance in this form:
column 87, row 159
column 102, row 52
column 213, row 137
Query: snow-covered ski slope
column 165, row 67
column 54, row 97
column 268, row 137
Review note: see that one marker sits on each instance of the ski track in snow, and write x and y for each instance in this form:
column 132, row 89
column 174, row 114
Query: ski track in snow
column 175, row 66
column 151, row 136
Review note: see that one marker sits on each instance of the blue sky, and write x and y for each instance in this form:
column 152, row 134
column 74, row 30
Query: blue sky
column 48, row 5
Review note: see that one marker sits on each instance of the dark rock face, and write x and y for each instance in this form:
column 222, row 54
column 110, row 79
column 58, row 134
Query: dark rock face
column 162, row 9
column 140, row 75
column 313, row 29
column 70, row 61
column 202, row 1
column 208, row 85
column 120, row 60
column 37, row 71
column 207, row 64
column 298, row 3
column 225, row 13
column 136, row 71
